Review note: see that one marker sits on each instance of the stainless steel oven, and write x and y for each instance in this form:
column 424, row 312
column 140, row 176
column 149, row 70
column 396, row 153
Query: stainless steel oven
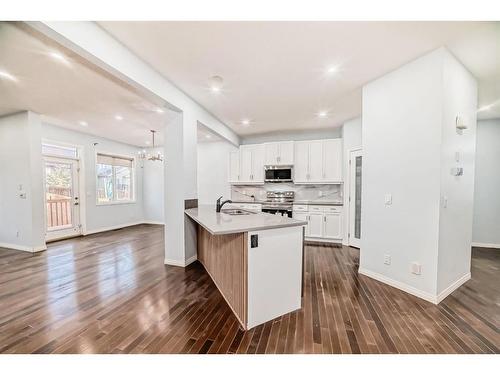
column 279, row 203
column 278, row 173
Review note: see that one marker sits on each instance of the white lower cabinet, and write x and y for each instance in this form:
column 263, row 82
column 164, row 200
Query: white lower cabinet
column 324, row 223
column 332, row 225
column 315, row 224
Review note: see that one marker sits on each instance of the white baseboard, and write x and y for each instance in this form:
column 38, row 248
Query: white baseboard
column 153, row 222
column 180, row 263
column 487, row 245
column 399, row 285
column 106, row 229
column 454, row 286
column 414, row 291
column 29, row 249
column 324, row 240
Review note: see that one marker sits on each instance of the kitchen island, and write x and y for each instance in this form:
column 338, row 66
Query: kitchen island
column 255, row 259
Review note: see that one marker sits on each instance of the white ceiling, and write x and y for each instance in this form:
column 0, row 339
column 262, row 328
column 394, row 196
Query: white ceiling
column 274, row 72
column 66, row 93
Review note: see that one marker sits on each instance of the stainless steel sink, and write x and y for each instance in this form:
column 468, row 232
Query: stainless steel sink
column 236, row 211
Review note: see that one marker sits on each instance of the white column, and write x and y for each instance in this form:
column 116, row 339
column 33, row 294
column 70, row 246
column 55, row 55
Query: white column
column 410, row 145
column 22, row 214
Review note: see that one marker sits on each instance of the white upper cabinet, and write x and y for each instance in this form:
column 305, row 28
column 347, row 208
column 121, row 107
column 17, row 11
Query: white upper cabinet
column 318, row 162
column 234, row 167
column 278, row 153
column 251, row 164
column 314, row 162
column 301, row 162
column 332, row 160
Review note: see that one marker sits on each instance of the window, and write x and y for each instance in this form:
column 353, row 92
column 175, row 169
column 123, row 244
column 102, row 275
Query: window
column 114, row 179
column 59, row 151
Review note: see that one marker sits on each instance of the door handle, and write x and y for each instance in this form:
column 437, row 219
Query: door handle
column 76, row 203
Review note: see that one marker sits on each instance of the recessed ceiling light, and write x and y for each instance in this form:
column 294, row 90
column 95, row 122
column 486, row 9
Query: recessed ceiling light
column 322, row 114
column 159, row 110
column 332, row 69
column 118, row 117
column 6, row 75
column 245, row 122
column 59, row 57
column 216, row 83
column 83, row 123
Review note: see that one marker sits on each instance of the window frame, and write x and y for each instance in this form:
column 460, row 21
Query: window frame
column 133, row 180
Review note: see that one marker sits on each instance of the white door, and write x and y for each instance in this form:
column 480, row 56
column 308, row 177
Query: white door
column 332, row 225
column 355, row 175
column 332, row 160
column 272, row 153
column 258, row 164
column 62, row 201
column 245, row 164
column 286, row 153
column 302, row 216
column 315, row 161
column 301, row 162
column 234, row 166
column 315, row 224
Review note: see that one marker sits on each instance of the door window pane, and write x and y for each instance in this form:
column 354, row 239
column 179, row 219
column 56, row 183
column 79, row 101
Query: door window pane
column 357, row 197
column 58, row 193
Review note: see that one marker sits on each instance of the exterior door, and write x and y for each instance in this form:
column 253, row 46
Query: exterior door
column 355, row 175
column 62, row 204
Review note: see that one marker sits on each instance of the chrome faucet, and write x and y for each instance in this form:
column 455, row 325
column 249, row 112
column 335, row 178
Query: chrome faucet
column 219, row 205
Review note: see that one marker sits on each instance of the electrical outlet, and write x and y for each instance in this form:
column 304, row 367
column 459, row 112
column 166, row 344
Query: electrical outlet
column 416, row 268
column 387, row 259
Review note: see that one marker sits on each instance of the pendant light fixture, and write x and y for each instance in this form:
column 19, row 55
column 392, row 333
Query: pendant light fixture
column 158, row 157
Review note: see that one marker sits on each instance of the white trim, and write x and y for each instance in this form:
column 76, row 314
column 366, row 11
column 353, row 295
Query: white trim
column 445, row 293
column 30, row 249
column 180, row 263
column 399, row 285
column 114, row 227
column 487, row 245
column 324, row 240
column 153, row 222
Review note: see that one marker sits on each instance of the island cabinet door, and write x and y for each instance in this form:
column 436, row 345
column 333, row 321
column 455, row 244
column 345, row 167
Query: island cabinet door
column 274, row 273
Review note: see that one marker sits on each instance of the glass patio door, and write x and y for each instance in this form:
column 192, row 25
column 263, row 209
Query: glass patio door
column 62, row 204
column 355, row 166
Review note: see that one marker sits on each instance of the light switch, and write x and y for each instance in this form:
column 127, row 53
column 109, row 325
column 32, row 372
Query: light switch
column 388, row 199
column 22, row 194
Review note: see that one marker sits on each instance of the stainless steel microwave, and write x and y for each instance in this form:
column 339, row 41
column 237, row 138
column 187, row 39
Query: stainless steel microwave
column 278, row 173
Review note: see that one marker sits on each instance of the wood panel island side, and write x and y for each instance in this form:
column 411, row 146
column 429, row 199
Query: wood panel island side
column 255, row 260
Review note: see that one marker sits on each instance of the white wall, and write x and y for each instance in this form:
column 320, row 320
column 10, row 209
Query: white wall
column 298, row 135
column 21, row 220
column 153, row 189
column 100, row 217
column 455, row 221
column 351, row 140
column 486, row 224
column 408, row 145
column 213, row 171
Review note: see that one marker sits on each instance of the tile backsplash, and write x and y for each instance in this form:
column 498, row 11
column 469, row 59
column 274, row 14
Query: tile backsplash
column 302, row 192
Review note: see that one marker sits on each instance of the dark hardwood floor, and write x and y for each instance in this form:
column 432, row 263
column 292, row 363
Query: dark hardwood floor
column 111, row 293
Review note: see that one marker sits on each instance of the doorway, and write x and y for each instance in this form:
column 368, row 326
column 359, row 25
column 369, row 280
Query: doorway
column 355, row 176
column 62, row 205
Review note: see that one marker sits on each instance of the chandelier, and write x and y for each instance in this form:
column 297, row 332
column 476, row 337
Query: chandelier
column 143, row 155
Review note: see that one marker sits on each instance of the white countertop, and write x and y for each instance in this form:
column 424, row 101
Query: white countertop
column 299, row 201
column 221, row 223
